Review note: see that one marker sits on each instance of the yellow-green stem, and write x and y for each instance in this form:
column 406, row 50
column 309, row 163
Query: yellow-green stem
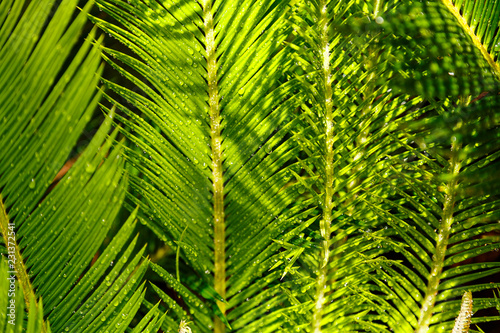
column 218, row 185
column 441, row 246
column 326, row 221
column 20, row 268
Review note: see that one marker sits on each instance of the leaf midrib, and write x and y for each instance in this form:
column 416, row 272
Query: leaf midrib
column 325, row 223
column 439, row 257
column 218, row 182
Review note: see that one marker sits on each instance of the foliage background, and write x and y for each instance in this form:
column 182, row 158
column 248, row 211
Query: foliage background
column 360, row 101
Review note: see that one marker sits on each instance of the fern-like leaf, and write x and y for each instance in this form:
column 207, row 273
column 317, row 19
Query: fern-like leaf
column 52, row 226
column 211, row 74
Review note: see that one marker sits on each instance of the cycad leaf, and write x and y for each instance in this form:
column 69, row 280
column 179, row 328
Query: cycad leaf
column 211, row 128
column 367, row 168
column 52, row 227
column 481, row 21
column 345, row 137
column 238, row 143
column 437, row 202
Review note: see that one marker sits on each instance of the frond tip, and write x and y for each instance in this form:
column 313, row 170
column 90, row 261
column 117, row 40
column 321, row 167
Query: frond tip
column 462, row 322
column 184, row 327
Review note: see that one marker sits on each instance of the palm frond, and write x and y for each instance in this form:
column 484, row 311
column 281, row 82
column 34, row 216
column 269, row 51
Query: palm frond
column 439, row 206
column 52, row 227
column 211, row 75
column 345, row 136
column 368, row 168
column 313, row 166
column 432, row 51
column 481, row 22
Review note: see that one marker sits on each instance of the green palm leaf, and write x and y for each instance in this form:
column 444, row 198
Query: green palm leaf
column 311, row 166
column 366, row 167
column 480, row 21
column 346, row 138
column 210, row 80
column 440, row 205
column 50, row 229
column 438, row 54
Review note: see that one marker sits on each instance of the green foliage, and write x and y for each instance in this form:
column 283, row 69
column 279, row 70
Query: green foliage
column 51, row 230
column 307, row 166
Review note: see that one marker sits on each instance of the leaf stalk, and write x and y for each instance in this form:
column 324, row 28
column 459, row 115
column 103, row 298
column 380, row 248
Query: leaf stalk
column 441, row 245
column 325, row 223
column 218, row 183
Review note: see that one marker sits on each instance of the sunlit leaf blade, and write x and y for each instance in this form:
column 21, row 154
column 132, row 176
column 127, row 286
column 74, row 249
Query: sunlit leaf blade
column 29, row 94
column 209, row 133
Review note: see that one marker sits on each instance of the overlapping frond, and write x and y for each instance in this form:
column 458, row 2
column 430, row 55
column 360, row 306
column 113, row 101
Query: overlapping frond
column 442, row 201
column 446, row 223
column 377, row 175
column 347, row 133
column 53, row 226
column 361, row 137
column 462, row 212
column 429, row 51
column 211, row 125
